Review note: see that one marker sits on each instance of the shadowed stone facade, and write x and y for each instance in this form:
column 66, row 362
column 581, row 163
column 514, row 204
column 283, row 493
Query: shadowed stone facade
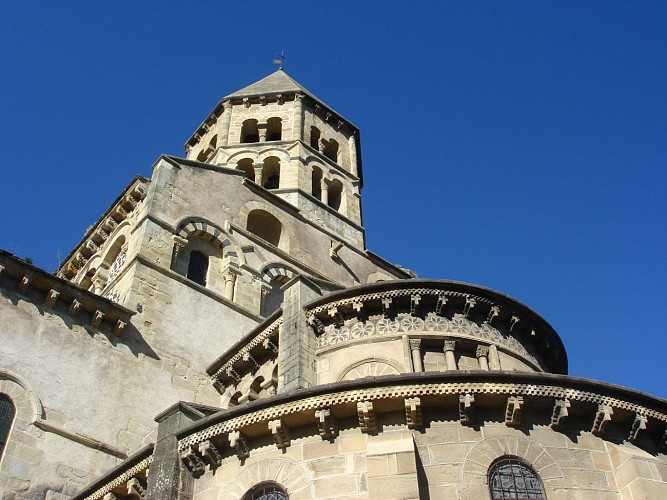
column 222, row 331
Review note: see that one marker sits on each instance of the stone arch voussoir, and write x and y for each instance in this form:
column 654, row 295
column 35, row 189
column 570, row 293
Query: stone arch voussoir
column 484, row 453
column 201, row 228
column 377, row 366
column 28, row 405
column 287, row 473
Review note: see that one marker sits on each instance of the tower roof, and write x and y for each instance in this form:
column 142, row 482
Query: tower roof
column 278, row 82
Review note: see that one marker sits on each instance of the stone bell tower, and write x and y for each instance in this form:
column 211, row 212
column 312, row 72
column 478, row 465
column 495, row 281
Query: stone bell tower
column 288, row 141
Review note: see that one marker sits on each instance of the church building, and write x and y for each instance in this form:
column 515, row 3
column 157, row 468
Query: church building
column 222, row 332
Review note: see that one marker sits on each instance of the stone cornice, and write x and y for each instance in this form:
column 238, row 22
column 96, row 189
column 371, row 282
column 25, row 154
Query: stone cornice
column 482, row 308
column 99, row 232
column 455, row 394
column 63, row 297
column 137, row 464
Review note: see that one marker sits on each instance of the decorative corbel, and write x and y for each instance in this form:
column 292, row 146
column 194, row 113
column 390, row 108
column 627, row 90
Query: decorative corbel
column 270, row 346
column 560, row 413
column 326, row 423
column 336, row 315
column 262, row 100
column 316, row 324
column 467, row 409
column 440, row 305
column 233, row 374
column 194, row 463
column 136, row 488
column 240, row 444
column 131, row 200
column 280, row 99
column 514, row 320
column 246, row 102
column 366, row 415
column 280, row 433
column 210, row 453
column 51, row 297
column 122, row 213
column 414, row 303
column 386, row 306
column 74, row 308
column 470, row 304
column 96, row 318
column 109, row 496
column 638, row 425
column 513, row 411
column 249, row 357
column 413, row 412
column 493, row 312
column 119, row 327
column 25, row 283
column 602, row 418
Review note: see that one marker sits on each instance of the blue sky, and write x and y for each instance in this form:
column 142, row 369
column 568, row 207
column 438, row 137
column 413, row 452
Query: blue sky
column 516, row 145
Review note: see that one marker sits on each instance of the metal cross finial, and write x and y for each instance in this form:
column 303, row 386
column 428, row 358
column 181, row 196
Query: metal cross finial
column 280, row 60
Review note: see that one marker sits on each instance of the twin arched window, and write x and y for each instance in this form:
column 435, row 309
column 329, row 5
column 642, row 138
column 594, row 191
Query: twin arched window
column 511, row 479
column 7, row 413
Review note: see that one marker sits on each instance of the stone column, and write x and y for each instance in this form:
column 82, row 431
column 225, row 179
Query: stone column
column 352, row 144
column 226, row 122
column 449, row 347
column 298, row 117
column 415, row 350
column 483, row 357
column 261, row 130
column 230, row 280
column 258, row 174
column 325, row 192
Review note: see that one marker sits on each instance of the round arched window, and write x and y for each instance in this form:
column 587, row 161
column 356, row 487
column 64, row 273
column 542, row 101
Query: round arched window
column 266, row 491
column 7, row 413
column 511, row 479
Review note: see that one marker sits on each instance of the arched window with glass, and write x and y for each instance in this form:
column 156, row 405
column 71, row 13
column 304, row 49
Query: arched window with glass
column 512, row 479
column 267, row 490
column 7, row 414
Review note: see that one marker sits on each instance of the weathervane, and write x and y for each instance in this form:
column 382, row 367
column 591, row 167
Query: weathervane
column 280, row 60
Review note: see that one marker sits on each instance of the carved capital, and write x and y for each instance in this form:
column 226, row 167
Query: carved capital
column 482, row 351
column 413, row 412
column 449, row 345
column 415, row 344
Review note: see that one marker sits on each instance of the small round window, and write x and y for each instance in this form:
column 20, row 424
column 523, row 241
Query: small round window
column 511, row 479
